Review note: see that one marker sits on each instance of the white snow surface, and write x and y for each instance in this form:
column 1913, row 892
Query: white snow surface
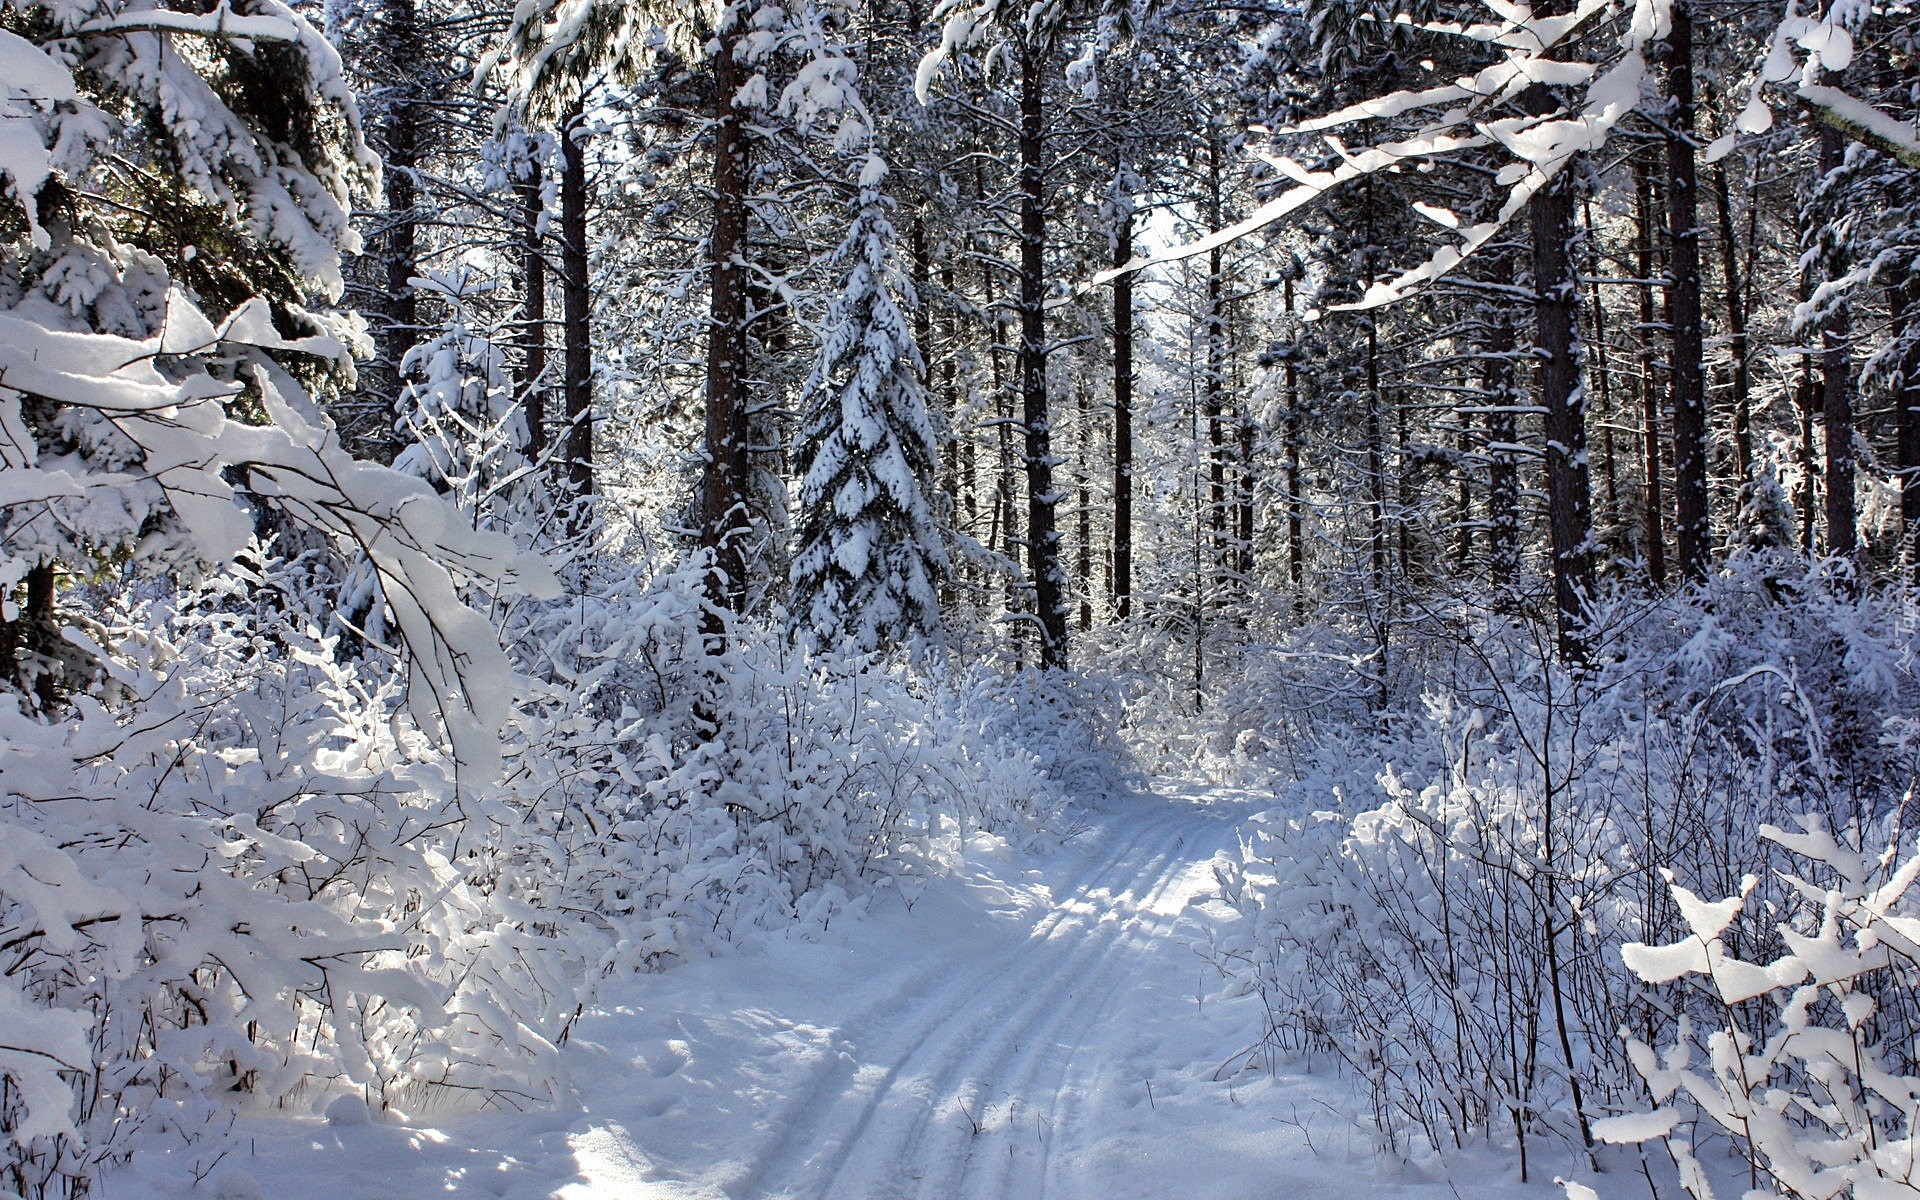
column 1032, row 1027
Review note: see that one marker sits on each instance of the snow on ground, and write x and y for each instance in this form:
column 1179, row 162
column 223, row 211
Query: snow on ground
column 1036, row 1027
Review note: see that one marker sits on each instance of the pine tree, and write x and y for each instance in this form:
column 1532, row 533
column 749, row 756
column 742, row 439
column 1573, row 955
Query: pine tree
column 166, row 215
column 869, row 555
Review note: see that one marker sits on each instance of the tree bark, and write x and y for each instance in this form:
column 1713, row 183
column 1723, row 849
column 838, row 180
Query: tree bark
column 1123, row 411
column 1503, row 433
column 533, row 289
column 1296, row 502
column 1557, row 343
column 1693, row 535
column 1903, row 309
column 575, row 304
column 1737, row 332
column 1650, row 431
column 1836, row 397
column 725, row 517
column 401, row 159
column 1043, row 534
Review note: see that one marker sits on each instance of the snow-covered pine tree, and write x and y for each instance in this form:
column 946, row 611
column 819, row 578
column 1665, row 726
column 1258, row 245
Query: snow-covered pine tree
column 174, row 191
column 460, row 428
column 868, row 553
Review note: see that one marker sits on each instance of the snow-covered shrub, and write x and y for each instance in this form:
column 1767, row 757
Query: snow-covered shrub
column 1068, row 725
column 1264, row 706
column 1444, row 908
column 240, row 885
column 827, row 775
column 1804, row 1061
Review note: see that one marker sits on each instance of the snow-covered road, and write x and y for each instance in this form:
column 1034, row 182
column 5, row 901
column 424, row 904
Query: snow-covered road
column 1033, row 1027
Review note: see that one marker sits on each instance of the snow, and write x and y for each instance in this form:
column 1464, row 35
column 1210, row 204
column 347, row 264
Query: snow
column 1036, row 1024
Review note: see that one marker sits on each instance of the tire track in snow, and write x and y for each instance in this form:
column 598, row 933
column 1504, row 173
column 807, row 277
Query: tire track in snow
column 1044, row 1074
column 833, row 1117
column 949, row 1100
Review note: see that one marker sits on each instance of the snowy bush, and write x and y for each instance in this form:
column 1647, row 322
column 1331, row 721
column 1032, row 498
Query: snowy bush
column 1804, row 1061
column 1444, row 911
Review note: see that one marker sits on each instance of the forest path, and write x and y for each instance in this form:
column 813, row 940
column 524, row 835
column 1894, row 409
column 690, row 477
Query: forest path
column 1030, row 1027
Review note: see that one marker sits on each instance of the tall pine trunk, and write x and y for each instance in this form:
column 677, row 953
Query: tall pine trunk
column 1650, row 431
column 1123, row 408
column 404, row 138
column 1903, row 309
column 533, row 314
column 1295, row 436
column 1836, row 395
column 1742, row 376
column 1043, row 534
column 1557, row 342
column 576, row 312
column 1693, row 535
column 724, row 487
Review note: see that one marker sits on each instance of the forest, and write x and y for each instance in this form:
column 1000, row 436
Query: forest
column 505, row 511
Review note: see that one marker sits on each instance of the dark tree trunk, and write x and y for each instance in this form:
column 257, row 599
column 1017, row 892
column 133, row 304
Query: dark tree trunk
column 1807, row 403
column 533, row 290
column 1043, row 535
column 1376, row 464
column 575, row 305
column 725, row 517
column 1249, row 486
column 404, row 137
column 1083, row 518
column 1903, row 309
column 1503, row 434
column 1650, row 431
column 33, row 634
column 1603, row 378
column 1214, row 391
column 1737, row 332
column 1836, row 396
column 1296, row 502
column 1123, row 413
column 1693, row 534
column 1557, row 342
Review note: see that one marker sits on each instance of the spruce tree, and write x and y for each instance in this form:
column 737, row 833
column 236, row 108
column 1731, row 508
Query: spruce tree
column 869, row 554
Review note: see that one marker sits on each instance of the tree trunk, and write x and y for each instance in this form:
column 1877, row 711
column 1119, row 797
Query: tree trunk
column 401, row 157
column 1603, row 376
column 1083, row 516
column 1650, row 432
column 1503, row 434
column 1296, row 502
column 724, row 489
column 1214, row 392
column 1903, row 309
column 1557, row 342
column 1693, row 534
column 1249, row 486
column 1123, row 411
column 1043, row 535
column 1737, row 332
column 533, row 292
column 1836, row 396
column 576, row 309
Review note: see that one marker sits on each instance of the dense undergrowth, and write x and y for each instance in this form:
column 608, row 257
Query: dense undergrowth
column 244, row 871
column 1451, row 900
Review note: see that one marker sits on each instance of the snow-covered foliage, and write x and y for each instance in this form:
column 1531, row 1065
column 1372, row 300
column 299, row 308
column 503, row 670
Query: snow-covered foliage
column 260, row 882
column 868, row 555
column 1805, row 1060
column 458, row 415
column 245, row 861
column 1445, row 907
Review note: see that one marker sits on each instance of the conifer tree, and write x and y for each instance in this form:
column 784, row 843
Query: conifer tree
column 869, row 555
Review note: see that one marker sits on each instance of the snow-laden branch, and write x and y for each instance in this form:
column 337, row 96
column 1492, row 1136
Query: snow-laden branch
column 1463, row 117
column 190, row 458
